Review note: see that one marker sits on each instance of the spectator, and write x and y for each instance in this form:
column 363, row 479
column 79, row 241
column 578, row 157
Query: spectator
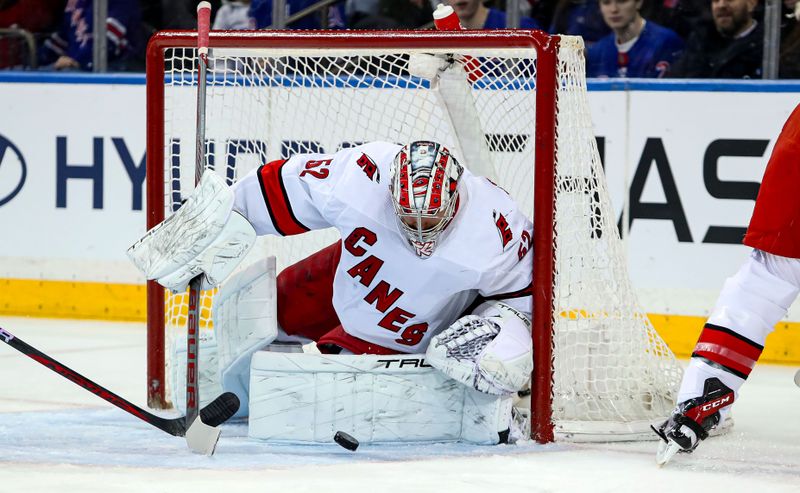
column 367, row 12
column 409, row 14
column 173, row 14
column 732, row 47
column 35, row 16
column 473, row 14
column 261, row 13
column 541, row 11
column 579, row 18
column 232, row 15
column 635, row 48
column 789, row 64
column 790, row 15
column 682, row 16
column 71, row 46
column 388, row 14
column 525, row 7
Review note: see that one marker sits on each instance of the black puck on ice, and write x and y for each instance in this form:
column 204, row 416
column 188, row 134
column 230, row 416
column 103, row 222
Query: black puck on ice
column 346, row 441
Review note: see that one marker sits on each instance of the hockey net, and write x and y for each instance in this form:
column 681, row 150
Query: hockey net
column 510, row 105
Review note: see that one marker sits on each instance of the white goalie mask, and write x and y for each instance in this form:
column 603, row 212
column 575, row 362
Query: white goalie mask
column 424, row 186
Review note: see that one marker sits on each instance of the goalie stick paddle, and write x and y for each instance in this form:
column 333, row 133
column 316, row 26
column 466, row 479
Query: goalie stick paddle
column 214, row 414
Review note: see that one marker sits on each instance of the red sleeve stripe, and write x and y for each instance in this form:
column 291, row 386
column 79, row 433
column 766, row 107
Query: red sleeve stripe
column 526, row 291
column 734, row 352
column 278, row 205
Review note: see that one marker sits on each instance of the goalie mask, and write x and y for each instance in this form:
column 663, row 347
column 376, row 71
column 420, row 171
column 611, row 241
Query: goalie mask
column 424, row 186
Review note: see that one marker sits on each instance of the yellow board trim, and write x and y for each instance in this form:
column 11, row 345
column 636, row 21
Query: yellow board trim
column 680, row 332
column 127, row 302
column 72, row 299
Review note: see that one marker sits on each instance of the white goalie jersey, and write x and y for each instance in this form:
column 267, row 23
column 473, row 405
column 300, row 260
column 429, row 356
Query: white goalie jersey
column 383, row 292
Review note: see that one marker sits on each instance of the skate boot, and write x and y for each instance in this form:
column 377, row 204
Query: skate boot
column 692, row 420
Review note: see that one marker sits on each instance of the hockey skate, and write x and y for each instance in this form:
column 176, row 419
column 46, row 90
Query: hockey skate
column 692, row 420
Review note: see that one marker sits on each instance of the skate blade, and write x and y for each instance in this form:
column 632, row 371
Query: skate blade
column 666, row 450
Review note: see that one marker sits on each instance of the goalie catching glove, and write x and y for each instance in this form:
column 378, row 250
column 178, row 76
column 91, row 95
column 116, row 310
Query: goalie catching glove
column 206, row 236
column 490, row 350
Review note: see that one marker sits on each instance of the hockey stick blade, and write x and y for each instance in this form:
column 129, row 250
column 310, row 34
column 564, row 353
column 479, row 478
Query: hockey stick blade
column 220, row 409
column 201, row 438
column 214, row 414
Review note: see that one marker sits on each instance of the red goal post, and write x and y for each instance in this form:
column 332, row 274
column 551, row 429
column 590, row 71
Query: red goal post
column 536, row 73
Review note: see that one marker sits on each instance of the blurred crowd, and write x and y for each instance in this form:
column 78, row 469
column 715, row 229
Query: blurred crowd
column 624, row 38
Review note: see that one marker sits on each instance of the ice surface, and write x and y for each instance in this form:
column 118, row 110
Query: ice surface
column 55, row 436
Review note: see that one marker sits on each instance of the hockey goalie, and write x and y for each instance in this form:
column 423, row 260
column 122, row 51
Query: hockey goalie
column 421, row 312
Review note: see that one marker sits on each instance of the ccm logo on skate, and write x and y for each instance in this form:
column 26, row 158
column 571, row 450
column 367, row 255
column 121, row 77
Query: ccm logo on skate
column 717, row 403
column 411, row 362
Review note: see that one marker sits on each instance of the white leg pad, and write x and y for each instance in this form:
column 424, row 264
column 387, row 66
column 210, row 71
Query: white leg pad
column 209, row 386
column 307, row 398
column 245, row 320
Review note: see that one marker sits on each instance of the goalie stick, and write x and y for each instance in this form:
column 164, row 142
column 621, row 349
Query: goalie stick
column 202, row 436
column 193, row 315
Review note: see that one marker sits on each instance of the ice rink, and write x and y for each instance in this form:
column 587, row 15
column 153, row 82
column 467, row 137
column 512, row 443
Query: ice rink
column 55, row 436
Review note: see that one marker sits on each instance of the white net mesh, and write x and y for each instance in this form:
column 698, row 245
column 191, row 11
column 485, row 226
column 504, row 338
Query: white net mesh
column 613, row 373
column 610, row 365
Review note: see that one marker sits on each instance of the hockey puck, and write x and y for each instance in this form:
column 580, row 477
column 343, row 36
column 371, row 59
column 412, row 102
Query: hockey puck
column 797, row 378
column 346, row 441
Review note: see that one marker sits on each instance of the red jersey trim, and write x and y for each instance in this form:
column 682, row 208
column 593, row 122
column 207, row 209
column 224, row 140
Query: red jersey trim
column 277, row 200
column 353, row 344
column 526, row 291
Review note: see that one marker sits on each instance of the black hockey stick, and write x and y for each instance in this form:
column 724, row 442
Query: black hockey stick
column 214, row 414
column 193, row 315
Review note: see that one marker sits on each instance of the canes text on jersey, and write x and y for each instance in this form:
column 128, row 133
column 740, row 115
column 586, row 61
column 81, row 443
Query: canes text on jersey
column 383, row 296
